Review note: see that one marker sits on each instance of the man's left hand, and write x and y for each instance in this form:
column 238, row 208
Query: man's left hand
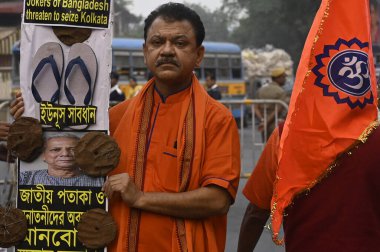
column 123, row 184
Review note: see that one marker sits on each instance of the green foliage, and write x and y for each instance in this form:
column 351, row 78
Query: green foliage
column 123, row 3
column 126, row 24
column 215, row 22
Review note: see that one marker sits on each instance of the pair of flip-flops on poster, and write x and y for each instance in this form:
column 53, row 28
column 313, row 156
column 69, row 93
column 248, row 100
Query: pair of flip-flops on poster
column 78, row 77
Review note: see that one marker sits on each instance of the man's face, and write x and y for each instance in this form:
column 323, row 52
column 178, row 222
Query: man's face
column 132, row 83
column 209, row 82
column 59, row 153
column 171, row 52
column 281, row 80
column 113, row 82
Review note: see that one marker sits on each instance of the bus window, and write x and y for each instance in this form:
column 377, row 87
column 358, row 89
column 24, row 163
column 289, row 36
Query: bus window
column 236, row 68
column 223, row 62
column 236, row 62
column 236, row 73
column 121, row 62
column 139, row 67
column 223, row 73
column 209, row 61
column 223, row 68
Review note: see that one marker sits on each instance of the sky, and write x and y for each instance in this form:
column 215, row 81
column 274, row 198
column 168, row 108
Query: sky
column 144, row 7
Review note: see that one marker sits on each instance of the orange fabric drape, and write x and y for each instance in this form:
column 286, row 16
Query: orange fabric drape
column 333, row 100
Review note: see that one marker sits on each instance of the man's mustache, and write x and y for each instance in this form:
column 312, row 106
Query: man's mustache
column 162, row 61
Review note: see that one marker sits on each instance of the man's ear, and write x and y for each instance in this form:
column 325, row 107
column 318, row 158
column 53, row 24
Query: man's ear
column 200, row 55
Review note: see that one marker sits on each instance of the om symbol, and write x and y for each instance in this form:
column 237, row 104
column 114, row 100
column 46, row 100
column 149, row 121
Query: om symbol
column 348, row 71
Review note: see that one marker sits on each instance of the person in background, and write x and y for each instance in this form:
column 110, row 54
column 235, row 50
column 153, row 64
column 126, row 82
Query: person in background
column 212, row 87
column 273, row 91
column 116, row 94
column 133, row 89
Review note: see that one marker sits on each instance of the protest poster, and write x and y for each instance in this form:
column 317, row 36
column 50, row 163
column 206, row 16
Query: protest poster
column 64, row 74
column 65, row 67
column 53, row 193
column 80, row 13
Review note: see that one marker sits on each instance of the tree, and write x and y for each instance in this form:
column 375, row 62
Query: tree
column 215, row 22
column 126, row 23
column 284, row 24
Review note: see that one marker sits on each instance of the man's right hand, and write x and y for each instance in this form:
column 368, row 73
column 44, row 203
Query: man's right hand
column 4, row 129
column 17, row 106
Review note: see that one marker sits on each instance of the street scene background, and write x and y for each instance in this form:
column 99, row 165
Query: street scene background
column 272, row 29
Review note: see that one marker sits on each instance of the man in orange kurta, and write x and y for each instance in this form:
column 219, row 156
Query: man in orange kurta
column 180, row 160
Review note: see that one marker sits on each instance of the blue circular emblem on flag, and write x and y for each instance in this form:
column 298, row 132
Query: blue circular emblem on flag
column 348, row 71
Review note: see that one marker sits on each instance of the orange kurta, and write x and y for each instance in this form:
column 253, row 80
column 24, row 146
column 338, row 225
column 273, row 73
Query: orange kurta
column 216, row 160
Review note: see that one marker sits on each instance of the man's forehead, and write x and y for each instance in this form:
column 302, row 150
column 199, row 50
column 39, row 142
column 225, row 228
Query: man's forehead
column 163, row 27
column 58, row 140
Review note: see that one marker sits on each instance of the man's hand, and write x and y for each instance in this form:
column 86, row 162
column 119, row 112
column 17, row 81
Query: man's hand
column 252, row 227
column 260, row 128
column 17, row 106
column 4, row 129
column 4, row 154
column 123, row 184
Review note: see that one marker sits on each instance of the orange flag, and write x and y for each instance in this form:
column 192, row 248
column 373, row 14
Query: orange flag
column 333, row 101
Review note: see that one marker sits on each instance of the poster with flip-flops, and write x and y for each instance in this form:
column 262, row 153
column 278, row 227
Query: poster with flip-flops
column 65, row 76
column 65, row 70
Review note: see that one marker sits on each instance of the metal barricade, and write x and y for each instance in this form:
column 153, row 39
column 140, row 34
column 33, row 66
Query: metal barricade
column 252, row 141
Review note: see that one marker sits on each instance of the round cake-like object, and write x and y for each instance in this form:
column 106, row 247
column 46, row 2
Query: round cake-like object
column 96, row 154
column 96, row 228
column 13, row 227
column 71, row 35
column 25, row 139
